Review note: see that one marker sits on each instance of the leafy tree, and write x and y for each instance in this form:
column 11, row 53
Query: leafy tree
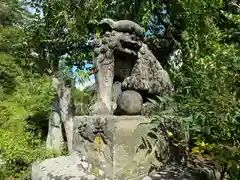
column 62, row 30
column 11, row 13
column 206, row 33
column 25, row 94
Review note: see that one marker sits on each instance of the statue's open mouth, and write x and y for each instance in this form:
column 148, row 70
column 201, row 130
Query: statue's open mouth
column 128, row 45
column 128, row 48
column 126, row 54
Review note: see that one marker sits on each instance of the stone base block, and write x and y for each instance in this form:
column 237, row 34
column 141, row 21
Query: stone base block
column 114, row 148
column 112, row 144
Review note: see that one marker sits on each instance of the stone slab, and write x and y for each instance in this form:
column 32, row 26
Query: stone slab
column 60, row 168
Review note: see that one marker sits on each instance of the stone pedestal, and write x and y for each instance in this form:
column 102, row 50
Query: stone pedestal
column 120, row 156
column 105, row 148
column 112, row 148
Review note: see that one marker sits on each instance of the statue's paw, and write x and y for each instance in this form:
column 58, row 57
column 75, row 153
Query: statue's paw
column 136, row 84
column 127, row 83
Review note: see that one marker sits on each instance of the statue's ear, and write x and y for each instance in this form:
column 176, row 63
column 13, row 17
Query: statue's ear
column 106, row 24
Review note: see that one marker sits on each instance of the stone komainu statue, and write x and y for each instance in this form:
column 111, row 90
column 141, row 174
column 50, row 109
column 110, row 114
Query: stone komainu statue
column 122, row 56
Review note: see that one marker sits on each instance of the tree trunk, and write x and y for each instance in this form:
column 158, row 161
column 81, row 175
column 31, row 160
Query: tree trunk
column 63, row 110
column 67, row 110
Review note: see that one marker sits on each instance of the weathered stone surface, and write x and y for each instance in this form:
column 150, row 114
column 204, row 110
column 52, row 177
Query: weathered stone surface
column 120, row 156
column 116, row 92
column 148, row 75
column 99, row 108
column 128, row 26
column 130, row 103
column 60, row 168
column 106, row 24
column 114, row 148
column 122, row 56
column 121, row 26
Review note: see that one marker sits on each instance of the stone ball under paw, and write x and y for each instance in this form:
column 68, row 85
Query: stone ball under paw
column 129, row 102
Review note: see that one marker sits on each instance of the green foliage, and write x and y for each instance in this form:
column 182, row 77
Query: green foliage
column 82, row 102
column 11, row 13
column 204, row 87
column 21, row 142
column 63, row 30
column 20, row 149
column 25, row 96
column 192, row 142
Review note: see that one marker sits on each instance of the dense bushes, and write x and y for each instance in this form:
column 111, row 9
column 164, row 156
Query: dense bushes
column 206, row 110
column 21, row 142
column 24, row 94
